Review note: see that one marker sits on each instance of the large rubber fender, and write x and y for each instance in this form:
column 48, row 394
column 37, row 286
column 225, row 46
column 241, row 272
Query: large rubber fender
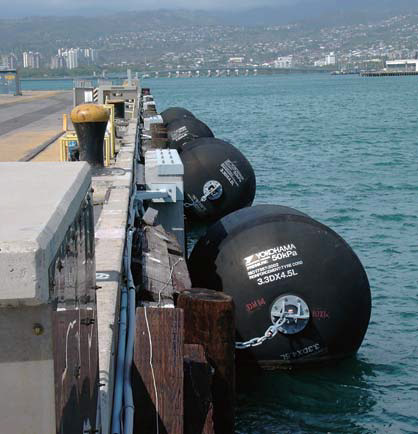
column 184, row 130
column 263, row 254
column 173, row 113
column 215, row 165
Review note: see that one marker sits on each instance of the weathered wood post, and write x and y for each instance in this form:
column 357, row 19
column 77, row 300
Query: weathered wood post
column 209, row 321
column 158, row 370
column 198, row 402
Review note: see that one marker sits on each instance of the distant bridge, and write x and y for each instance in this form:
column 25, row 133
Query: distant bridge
column 228, row 72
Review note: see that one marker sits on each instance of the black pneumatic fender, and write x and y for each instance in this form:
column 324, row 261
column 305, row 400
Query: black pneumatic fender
column 218, row 179
column 173, row 113
column 269, row 257
column 183, row 130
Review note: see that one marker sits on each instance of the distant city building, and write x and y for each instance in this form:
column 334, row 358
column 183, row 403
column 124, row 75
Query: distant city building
column 402, row 65
column 330, row 59
column 8, row 61
column 284, row 62
column 57, row 62
column 3, row 62
column 72, row 58
column 236, row 60
column 26, row 59
column 36, row 60
column 94, row 54
column 90, row 55
column 31, row 60
column 319, row 63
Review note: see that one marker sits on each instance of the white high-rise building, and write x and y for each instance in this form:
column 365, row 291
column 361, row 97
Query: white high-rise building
column 57, row 62
column 12, row 61
column 330, row 59
column 36, row 60
column 3, row 61
column 8, row 61
column 26, row 57
column 94, row 55
column 31, row 60
column 72, row 58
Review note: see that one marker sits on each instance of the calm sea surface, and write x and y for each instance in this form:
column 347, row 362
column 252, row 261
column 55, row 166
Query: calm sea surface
column 345, row 151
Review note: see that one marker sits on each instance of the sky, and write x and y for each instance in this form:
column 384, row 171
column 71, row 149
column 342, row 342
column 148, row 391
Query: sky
column 21, row 8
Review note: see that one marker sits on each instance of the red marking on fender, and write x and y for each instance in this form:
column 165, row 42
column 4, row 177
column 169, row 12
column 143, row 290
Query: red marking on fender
column 252, row 305
column 320, row 314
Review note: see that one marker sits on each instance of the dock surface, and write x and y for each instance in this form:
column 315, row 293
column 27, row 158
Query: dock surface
column 28, row 121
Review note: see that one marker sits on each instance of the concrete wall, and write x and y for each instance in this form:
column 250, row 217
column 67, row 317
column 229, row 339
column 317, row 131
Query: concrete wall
column 27, row 398
column 39, row 205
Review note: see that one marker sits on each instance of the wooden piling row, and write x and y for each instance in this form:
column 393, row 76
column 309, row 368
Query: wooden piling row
column 184, row 371
column 209, row 322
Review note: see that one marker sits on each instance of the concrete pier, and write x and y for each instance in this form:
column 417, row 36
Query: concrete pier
column 112, row 189
column 29, row 120
column 74, row 242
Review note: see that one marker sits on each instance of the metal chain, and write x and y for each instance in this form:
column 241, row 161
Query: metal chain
column 270, row 333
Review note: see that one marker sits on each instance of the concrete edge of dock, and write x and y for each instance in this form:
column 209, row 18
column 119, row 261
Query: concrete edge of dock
column 110, row 234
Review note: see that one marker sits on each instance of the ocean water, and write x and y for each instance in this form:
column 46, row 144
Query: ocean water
column 345, row 151
column 51, row 84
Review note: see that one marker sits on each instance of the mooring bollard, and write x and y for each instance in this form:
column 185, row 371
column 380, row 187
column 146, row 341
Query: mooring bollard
column 209, row 321
column 90, row 122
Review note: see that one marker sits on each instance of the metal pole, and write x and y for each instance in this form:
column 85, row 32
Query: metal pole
column 18, row 92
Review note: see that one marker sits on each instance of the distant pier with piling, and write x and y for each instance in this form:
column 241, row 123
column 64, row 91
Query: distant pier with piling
column 389, row 73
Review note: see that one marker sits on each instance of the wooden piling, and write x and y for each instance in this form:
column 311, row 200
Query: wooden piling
column 209, row 321
column 158, row 371
column 198, row 406
column 156, row 269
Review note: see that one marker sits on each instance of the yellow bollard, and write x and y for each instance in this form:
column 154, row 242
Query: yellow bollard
column 90, row 122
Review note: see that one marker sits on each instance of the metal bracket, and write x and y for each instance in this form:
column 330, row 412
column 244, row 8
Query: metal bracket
column 295, row 312
column 151, row 194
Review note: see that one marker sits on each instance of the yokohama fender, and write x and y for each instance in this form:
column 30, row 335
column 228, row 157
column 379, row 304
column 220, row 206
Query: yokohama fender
column 267, row 254
column 184, row 130
column 173, row 113
column 218, row 179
